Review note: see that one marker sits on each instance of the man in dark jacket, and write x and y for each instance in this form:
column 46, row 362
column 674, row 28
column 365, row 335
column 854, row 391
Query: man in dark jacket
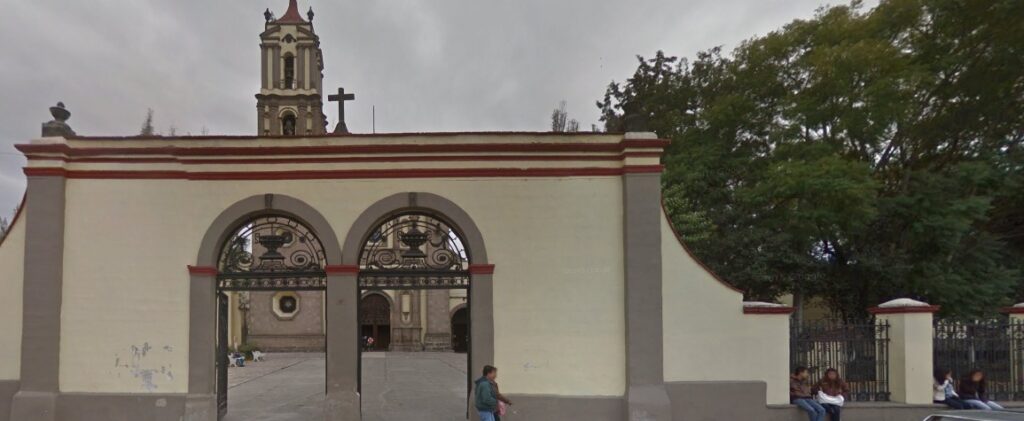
column 486, row 399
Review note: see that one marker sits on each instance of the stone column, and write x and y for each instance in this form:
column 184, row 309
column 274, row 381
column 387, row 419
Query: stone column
column 44, row 276
column 646, row 397
column 342, row 298
column 481, row 323
column 201, row 402
column 910, row 348
column 439, row 327
column 1015, row 329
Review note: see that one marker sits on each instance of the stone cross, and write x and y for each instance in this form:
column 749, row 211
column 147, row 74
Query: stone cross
column 340, row 98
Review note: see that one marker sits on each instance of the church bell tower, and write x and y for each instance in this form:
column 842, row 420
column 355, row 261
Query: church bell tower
column 290, row 101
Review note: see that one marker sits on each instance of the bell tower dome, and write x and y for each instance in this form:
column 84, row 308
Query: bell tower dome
column 290, row 101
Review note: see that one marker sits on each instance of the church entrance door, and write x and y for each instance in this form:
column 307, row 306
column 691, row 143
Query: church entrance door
column 375, row 319
column 460, row 330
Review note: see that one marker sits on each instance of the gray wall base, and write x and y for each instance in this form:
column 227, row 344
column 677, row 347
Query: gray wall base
column 7, row 390
column 200, row 408
column 342, row 405
column 114, row 407
column 34, row 406
column 648, row 403
column 562, row 408
column 714, row 401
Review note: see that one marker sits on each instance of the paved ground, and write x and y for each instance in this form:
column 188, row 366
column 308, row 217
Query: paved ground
column 396, row 386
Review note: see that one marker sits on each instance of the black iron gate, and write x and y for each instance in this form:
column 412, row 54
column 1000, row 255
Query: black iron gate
column 415, row 251
column 858, row 350
column 222, row 355
column 993, row 346
column 265, row 253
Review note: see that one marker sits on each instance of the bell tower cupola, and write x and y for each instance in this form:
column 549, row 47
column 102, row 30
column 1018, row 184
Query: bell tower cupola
column 290, row 101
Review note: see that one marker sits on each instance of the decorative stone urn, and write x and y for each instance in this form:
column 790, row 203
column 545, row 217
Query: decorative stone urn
column 58, row 127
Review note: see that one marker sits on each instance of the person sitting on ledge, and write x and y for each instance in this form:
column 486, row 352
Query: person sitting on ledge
column 831, row 393
column 800, row 395
column 945, row 391
column 972, row 391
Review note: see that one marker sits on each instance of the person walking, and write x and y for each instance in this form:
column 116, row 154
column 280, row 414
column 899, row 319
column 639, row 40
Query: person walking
column 485, row 395
column 800, row 395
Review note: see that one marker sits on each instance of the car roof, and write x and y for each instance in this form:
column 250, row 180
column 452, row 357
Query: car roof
column 979, row 416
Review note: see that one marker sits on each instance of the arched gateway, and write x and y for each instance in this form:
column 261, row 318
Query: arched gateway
column 277, row 242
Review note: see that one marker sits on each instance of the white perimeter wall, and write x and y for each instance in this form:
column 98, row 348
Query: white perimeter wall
column 556, row 244
column 12, row 272
column 707, row 336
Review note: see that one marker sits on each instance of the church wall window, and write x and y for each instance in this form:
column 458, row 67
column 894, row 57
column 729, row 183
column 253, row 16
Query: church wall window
column 285, row 305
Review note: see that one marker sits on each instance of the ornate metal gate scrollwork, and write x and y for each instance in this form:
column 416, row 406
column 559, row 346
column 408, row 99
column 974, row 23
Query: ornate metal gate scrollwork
column 413, row 251
column 272, row 253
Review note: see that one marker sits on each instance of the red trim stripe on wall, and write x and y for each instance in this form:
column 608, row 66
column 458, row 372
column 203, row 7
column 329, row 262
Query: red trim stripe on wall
column 343, row 174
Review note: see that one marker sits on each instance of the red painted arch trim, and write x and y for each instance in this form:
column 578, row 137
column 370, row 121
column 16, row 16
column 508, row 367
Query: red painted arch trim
column 202, row 270
column 481, row 269
column 14, row 220
column 341, row 269
column 903, row 310
column 664, row 214
column 768, row 310
column 336, row 174
column 1012, row 310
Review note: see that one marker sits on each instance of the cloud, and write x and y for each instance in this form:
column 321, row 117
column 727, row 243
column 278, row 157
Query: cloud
column 439, row 65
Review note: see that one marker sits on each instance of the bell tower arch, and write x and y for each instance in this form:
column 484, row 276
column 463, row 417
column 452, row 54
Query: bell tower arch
column 291, row 69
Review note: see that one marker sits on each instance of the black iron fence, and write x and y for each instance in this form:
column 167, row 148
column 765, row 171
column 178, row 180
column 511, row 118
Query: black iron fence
column 858, row 350
column 993, row 346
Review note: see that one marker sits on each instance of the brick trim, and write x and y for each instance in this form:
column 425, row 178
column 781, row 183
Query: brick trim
column 481, row 269
column 202, row 270
column 341, row 269
column 768, row 310
column 904, row 310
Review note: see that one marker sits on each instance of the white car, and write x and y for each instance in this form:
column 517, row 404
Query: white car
column 977, row 416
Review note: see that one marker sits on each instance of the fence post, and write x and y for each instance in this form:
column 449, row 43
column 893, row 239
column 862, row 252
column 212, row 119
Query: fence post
column 910, row 348
column 1015, row 328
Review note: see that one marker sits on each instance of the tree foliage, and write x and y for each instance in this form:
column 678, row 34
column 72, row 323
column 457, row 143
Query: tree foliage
column 560, row 121
column 147, row 124
column 857, row 156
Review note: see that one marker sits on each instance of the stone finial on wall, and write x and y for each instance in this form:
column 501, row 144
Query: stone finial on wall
column 58, row 127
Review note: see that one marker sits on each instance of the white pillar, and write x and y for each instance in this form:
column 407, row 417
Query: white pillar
column 1016, row 327
column 910, row 348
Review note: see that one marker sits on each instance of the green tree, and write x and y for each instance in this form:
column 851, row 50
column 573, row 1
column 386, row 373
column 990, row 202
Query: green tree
column 857, row 156
column 147, row 124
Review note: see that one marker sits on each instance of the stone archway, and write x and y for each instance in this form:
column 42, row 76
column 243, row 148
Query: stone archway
column 480, row 273
column 201, row 399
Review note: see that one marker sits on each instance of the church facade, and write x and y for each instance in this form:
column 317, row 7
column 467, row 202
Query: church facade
column 547, row 255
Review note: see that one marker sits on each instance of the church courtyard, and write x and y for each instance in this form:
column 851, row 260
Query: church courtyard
column 428, row 386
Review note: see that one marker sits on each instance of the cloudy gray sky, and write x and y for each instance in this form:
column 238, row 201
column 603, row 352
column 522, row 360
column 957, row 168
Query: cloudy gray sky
column 427, row 65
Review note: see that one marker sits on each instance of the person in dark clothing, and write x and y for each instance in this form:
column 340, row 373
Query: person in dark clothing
column 945, row 390
column 800, row 395
column 972, row 391
column 833, row 386
column 485, row 395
